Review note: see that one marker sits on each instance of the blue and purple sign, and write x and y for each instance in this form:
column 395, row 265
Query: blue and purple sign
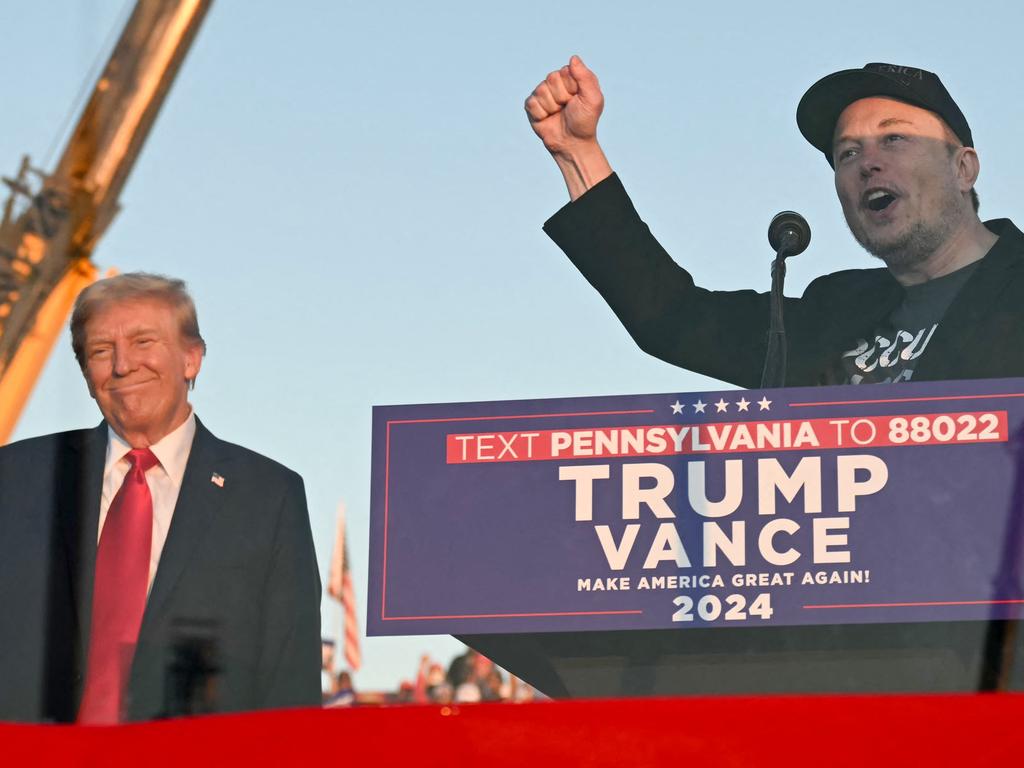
column 832, row 505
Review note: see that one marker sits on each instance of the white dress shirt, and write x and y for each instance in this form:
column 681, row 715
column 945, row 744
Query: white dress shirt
column 164, row 480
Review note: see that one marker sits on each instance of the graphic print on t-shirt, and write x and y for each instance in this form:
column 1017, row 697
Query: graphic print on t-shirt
column 901, row 338
column 889, row 358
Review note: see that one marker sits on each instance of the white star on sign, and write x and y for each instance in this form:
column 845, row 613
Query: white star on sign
column 742, row 403
column 764, row 402
column 721, row 405
column 699, row 406
column 677, row 407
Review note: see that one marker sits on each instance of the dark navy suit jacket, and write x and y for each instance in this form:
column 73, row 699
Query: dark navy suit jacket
column 238, row 561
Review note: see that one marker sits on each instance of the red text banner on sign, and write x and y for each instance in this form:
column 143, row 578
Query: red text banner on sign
column 733, row 437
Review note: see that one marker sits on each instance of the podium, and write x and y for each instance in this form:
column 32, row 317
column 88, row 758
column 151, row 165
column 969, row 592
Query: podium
column 940, row 657
column 807, row 540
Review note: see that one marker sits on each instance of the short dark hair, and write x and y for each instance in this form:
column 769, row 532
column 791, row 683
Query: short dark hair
column 128, row 287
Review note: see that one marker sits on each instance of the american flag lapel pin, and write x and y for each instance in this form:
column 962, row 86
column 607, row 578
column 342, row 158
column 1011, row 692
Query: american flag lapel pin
column 217, row 479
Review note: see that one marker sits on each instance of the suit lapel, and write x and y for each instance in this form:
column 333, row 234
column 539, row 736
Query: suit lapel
column 197, row 505
column 953, row 354
column 80, row 489
column 854, row 319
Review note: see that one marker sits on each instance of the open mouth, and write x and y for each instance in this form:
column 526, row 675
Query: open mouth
column 879, row 199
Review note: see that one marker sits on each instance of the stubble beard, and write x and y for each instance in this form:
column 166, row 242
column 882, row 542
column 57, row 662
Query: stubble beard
column 917, row 244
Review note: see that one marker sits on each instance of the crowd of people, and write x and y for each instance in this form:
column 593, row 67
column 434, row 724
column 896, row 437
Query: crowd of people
column 469, row 678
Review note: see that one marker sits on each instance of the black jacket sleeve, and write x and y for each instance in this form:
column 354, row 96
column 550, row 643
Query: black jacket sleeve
column 722, row 334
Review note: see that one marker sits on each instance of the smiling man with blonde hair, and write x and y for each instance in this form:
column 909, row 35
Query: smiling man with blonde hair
column 127, row 547
column 949, row 303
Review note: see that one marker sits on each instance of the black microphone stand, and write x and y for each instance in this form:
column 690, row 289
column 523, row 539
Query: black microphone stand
column 774, row 373
column 789, row 235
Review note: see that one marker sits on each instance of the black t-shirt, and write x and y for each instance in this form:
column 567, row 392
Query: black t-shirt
column 903, row 336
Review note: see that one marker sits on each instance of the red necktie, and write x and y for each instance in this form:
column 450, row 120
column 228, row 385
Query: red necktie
column 119, row 593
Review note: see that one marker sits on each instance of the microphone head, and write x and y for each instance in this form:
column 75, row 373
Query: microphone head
column 789, row 233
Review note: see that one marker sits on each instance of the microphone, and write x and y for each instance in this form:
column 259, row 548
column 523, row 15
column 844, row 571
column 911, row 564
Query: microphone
column 789, row 233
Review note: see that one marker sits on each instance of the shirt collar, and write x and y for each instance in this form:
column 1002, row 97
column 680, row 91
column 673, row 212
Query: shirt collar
column 171, row 450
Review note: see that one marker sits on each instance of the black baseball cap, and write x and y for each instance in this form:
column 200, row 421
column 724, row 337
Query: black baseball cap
column 819, row 109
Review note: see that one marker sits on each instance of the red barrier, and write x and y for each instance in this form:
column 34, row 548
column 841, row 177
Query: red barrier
column 791, row 731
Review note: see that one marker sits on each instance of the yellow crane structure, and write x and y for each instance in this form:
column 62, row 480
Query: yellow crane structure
column 52, row 222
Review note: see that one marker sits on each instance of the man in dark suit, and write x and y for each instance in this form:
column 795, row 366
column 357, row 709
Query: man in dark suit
column 148, row 568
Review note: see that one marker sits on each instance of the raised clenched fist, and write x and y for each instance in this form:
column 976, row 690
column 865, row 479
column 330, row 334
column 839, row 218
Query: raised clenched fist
column 565, row 107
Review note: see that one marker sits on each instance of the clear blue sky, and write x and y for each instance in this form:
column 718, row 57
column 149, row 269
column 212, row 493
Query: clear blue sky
column 355, row 197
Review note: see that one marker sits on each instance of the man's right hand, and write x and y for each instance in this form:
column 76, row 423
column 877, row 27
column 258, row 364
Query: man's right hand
column 564, row 110
column 565, row 107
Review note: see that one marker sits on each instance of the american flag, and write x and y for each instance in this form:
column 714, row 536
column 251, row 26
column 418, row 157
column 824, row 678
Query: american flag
column 339, row 586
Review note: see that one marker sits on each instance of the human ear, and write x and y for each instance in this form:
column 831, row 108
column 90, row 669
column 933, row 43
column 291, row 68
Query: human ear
column 967, row 167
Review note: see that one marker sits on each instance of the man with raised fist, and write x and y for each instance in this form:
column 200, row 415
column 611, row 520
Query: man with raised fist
column 948, row 304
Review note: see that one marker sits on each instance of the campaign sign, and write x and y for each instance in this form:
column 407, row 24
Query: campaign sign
column 830, row 505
